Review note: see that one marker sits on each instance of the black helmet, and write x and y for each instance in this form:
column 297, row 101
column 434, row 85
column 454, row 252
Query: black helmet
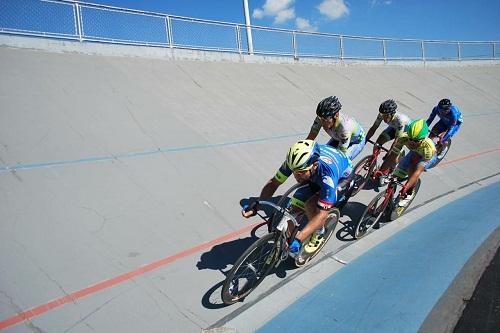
column 388, row 107
column 328, row 107
column 444, row 104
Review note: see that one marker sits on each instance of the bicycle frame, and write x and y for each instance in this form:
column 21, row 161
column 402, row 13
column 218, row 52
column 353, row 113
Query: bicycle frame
column 282, row 227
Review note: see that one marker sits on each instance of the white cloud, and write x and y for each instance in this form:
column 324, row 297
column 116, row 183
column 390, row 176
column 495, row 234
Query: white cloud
column 333, row 9
column 281, row 10
column 305, row 25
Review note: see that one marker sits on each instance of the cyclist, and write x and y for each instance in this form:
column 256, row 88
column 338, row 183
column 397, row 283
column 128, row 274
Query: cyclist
column 422, row 156
column 321, row 166
column 449, row 122
column 345, row 132
column 396, row 121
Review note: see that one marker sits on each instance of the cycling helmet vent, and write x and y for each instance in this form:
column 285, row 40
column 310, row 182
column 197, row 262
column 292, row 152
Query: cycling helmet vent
column 388, row 107
column 302, row 155
column 328, row 107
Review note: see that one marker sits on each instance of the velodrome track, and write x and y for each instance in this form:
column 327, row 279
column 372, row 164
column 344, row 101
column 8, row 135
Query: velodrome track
column 121, row 178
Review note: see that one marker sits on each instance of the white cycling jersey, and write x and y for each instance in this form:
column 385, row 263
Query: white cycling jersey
column 398, row 122
column 346, row 130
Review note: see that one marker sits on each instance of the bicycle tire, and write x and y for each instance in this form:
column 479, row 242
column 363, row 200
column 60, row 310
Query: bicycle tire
column 443, row 152
column 360, row 181
column 371, row 216
column 397, row 212
column 330, row 225
column 253, row 262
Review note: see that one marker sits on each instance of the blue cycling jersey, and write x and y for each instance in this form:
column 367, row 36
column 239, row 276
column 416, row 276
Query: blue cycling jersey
column 333, row 165
column 452, row 120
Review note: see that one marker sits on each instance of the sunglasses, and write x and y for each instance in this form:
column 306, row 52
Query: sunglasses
column 415, row 141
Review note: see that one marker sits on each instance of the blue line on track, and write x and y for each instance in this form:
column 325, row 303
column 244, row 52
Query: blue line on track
column 27, row 166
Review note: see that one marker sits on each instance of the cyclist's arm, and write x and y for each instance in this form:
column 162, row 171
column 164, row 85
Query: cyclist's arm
column 315, row 128
column 449, row 133
column 374, row 127
column 432, row 116
column 269, row 189
column 271, row 186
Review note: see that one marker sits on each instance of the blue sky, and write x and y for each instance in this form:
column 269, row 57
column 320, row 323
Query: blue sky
column 420, row 19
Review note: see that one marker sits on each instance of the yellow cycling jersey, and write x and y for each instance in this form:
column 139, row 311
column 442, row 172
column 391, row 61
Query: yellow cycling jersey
column 426, row 149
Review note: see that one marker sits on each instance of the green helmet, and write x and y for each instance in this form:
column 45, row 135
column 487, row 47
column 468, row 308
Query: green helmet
column 302, row 155
column 417, row 129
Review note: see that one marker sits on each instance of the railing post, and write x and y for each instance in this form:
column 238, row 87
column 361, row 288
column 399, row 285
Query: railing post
column 294, row 45
column 248, row 26
column 341, row 48
column 238, row 38
column 423, row 50
column 459, row 51
column 494, row 51
column 384, row 51
column 169, row 32
column 79, row 28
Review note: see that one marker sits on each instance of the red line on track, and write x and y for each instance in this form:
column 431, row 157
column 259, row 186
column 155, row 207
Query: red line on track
column 41, row 309
column 469, row 157
column 36, row 311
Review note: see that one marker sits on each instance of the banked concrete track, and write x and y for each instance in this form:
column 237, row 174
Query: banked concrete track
column 121, row 177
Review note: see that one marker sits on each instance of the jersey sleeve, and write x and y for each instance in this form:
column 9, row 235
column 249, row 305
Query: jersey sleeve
column 432, row 116
column 428, row 150
column 283, row 173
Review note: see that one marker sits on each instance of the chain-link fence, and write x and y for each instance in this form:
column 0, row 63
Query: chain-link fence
column 68, row 19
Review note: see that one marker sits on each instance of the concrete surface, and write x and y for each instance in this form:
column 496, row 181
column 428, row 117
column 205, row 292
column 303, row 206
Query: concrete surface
column 122, row 177
column 393, row 287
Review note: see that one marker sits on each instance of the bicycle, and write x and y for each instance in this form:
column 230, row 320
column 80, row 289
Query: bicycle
column 384, row 205
column 272, row 249
column 365, row 167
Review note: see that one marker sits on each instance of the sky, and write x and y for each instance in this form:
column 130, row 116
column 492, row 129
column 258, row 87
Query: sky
column 419, row 19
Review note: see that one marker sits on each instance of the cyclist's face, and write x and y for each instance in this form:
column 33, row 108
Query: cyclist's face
column 327, row 122
column 302, row 176
column 414, row 143
column 388, row 117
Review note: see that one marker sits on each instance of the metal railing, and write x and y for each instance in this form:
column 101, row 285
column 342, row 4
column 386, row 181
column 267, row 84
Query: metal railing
column 88, row 22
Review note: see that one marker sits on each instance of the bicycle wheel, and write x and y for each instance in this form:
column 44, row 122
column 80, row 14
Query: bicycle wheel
column 443, row 151
column 251, row 268
column 372, row 214
column 330, row 225
column 397, row 211
column 362, row 171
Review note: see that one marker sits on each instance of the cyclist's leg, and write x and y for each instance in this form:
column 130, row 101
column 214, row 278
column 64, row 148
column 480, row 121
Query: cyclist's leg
column 438, row 129
column 404, row 165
